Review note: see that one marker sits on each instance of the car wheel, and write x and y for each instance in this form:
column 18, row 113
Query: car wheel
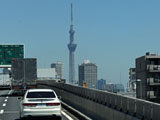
column 59, row 118
column 23, row 118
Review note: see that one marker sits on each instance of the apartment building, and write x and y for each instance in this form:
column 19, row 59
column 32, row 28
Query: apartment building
column 148, row 77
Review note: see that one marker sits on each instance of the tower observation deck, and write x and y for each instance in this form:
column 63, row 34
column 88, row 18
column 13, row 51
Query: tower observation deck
column 72, row 47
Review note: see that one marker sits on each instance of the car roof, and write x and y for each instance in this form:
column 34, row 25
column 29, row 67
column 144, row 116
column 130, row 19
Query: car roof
column 36, row 90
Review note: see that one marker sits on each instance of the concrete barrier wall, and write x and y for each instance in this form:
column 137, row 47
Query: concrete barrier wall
column 105, row 105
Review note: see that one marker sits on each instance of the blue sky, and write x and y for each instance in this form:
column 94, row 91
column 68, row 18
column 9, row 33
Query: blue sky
column 110, row 33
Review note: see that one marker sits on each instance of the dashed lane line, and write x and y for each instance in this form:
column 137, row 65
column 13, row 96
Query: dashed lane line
column 67, row 116
column 11, row 112
column 1, row 112
column 4, row 104
column 9, row 92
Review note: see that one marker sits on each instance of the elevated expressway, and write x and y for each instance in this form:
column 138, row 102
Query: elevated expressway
column 102, row 105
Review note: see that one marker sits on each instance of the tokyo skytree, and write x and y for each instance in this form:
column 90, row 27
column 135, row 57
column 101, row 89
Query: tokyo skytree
column 72, row 47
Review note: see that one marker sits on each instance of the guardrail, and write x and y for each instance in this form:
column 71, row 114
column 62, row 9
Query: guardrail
column 137, row 108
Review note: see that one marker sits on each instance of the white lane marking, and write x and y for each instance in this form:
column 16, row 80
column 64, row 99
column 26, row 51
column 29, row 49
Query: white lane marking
column 11, row 112
column 4, row 104
column 9, row 92
column 7, row 97
column 5, row 100
column 67, row 116
column 1, row 112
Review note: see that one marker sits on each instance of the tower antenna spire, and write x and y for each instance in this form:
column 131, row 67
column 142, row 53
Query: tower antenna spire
column 71, row 14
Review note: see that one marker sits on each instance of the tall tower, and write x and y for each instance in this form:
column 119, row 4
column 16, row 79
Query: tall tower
column 72, row 47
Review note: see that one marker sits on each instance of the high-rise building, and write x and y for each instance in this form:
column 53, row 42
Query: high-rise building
column 148, row 77
column 88, row 74
column 72, row 47
column 132, row 79
column 101, row 84
column 46, row 73
column 58, row 68
column 115, row 88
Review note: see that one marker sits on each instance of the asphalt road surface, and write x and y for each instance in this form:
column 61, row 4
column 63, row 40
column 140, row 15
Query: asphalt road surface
column 10, row 110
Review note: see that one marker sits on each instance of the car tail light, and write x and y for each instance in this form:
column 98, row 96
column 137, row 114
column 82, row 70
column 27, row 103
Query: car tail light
column 16, row 88
column 30, row 87
column 29, row 104
column 53, row 104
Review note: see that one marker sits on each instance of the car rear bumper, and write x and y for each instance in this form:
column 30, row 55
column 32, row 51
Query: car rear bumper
column 40, row 112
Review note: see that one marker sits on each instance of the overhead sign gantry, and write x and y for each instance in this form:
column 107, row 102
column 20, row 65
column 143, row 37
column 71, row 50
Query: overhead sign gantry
column 9, row 52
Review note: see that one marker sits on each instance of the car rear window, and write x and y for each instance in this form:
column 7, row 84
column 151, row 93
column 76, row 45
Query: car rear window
column 41, row 95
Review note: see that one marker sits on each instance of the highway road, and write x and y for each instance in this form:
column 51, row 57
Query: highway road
column 9, row 108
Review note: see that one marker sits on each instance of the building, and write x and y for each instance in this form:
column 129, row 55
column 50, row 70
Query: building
column 132, row 79
column 114, row 88
column 58, row 68
column 148, row 77
column 46, row 73
column 88, row 74
column 72, row 47
column 101, row 84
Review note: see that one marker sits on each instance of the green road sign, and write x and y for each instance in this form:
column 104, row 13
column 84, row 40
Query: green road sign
column 9, row 52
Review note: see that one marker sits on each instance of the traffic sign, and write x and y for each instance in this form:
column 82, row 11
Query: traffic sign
column 9, row 52
column 84, row 84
